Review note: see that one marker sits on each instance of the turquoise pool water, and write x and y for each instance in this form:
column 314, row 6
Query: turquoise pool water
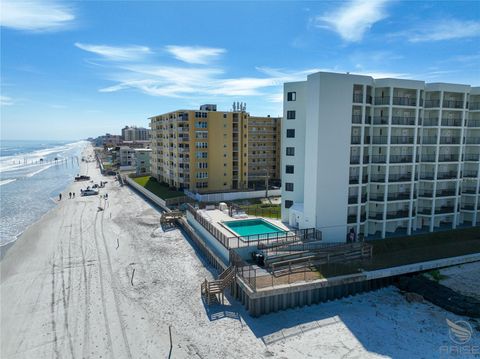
column 249, row 227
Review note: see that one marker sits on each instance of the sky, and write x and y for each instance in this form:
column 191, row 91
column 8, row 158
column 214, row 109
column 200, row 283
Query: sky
column 75, row 69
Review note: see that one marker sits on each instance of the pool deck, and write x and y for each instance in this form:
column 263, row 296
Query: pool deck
column 216, row 217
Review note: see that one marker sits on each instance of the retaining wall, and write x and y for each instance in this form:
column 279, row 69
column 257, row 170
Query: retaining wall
column 230, row 196
column 155, row 199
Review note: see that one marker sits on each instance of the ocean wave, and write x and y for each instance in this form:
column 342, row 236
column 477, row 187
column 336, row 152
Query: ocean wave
column 7, row 181
column 39, row 171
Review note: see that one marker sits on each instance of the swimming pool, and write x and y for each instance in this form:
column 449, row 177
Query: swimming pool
column 250, row 227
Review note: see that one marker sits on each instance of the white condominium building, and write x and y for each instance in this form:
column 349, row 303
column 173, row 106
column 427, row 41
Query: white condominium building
column 380, row 156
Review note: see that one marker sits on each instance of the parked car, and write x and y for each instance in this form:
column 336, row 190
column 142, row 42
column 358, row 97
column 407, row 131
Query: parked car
column 82, row 178
column 88, row 192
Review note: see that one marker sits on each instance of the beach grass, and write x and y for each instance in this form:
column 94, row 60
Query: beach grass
column 157, row 188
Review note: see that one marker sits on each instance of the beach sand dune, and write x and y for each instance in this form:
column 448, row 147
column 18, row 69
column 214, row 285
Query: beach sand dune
column 66, row 292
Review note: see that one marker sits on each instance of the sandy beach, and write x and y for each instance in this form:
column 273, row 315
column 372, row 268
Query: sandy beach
column 66, row 292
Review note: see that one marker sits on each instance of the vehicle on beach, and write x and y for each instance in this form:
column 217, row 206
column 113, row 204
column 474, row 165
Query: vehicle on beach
column 82, row 178
column 88, row 192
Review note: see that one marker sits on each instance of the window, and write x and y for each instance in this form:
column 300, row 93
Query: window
column 201, row 144
column 289, row 187
column 201, row 154
column 201, row 124
column 290, row 115
column 201, row 184
column 290, row 133
column 201, row 175
column 291, row 96
column 288, row 203
column 290, row 151
column 201, row 134
column 202, row 165
column 289, row 169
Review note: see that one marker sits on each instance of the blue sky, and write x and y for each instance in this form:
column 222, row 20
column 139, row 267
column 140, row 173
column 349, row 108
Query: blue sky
column 71, row 70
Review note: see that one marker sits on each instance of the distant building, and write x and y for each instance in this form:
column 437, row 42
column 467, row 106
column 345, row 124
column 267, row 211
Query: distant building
column 126, row 156
column 142, row 161
column 108, row 140
column 134, row 133
column 209, row 151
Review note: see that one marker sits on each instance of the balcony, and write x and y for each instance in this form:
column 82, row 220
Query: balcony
column 354, row 160
column 377, row 197
column 425, row 194
column 398, row 214
column 363, row 199
column 380, row 120
column 366, row 159
column 380, row 140
column 398, row 196
column 369, row 99
column 357, row 98
column 368, row 120
column 356, row 118
column 427, row 176
column 474, row 106
column 425, row 211
column 469, row 207
column 429, row 140
column 375, row 216
column 380, row 177
column 448, row 140
column 352, row 219
column 431, row 103
column 402, row 140
column 469, row 190
column 353, row 199
column 449, row 192
column 473, row 123
column 353, row 179
column 382, row 100
column 452, row 104
column 401, row 158
column 472, row 157
column 431, row 121
column 355, row 140
column 447, row 158
column 470, row 174
column 472, row 140
column 445, row 209
column 406, row 177
column 379, row 159
column 447, row 175
column 452, row 122
column 404, row 101
column 403, row 121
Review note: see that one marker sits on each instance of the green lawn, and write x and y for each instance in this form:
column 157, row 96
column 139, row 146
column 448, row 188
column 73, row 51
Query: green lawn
column 159, row 189
column 263, row 210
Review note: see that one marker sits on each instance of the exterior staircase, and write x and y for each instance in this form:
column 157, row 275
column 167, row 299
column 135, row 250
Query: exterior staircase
column 210, row 289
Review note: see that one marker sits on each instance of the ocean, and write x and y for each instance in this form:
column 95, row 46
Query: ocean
column 32, row 174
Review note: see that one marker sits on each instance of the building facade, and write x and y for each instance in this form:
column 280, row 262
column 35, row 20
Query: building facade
column 142, row 161
column 379, row 157
column 134, row 133
column 209, row 151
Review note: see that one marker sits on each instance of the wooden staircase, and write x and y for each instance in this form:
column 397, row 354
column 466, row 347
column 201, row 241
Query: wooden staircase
column 170, row 217
column 210, row 289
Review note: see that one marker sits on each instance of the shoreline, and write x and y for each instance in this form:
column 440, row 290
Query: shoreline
column 4, row 248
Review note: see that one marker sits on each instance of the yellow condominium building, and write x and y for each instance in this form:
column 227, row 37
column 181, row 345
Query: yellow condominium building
column 211, row 151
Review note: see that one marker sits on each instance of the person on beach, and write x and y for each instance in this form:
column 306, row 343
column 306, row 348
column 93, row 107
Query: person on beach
column 60, row 197
column 73, row 194
column 70, row 195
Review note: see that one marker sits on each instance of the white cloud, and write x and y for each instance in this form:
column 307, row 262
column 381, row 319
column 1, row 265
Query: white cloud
column 447, row 29
column 48, row 15
column 195, row 54
column 116, row 53
column 352, row 20
column 5, row 101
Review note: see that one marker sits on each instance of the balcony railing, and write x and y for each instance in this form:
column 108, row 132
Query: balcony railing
column 469, row 190
column 404, row 121
column 472, row 157
column 382, row 100
column 447, row 158
column 358, row 98
column 375, row 215
column 380, row 120
column 369, row 99
column 378, row 177
column 448, row 140
column 470, row 174
column 366, row 159
column 446, row 193
column 452, row 122
column 353, row 179
column 469, row 207
column 429, row 140
column 431, row 121
column 401, row 158
column 401, row 140
column 427, row 194
column 356, row 118
column 398, row 214
column 380, row 140
column 452, row 104
column 406, row 177
column 472, row 140
column 404, row 101
column 447, row 175
column 427, row 176
column 445, row 209
column 377, row 197
column 368, row 120
column 473, row 123
column 431, row 103
column 379, row 159
column 355, row 140
column 398, row 196
column 354, row 160
column 352, row 199
column 474, row 106
column 352, row 219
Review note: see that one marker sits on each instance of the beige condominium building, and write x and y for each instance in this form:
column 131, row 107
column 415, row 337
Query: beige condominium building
column 211, row 151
